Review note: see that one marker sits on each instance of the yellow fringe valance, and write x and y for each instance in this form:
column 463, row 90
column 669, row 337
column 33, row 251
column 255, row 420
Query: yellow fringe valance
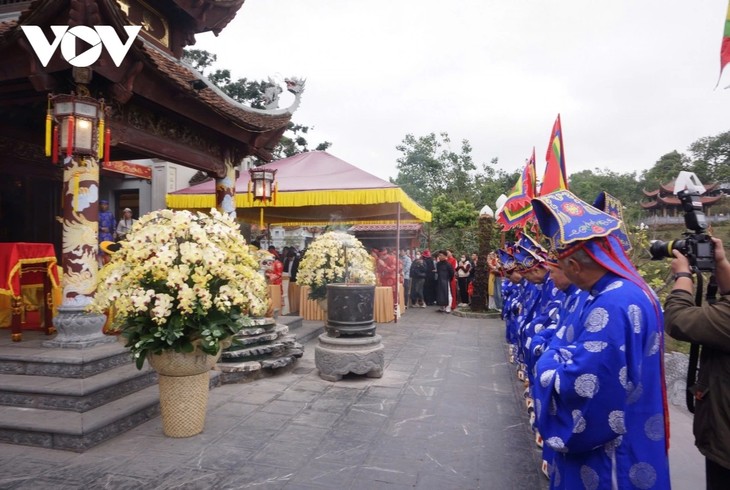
column 351, row 197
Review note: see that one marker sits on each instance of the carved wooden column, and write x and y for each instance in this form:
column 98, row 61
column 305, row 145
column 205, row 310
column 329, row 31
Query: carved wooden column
column 225, row 190
column 76, row 327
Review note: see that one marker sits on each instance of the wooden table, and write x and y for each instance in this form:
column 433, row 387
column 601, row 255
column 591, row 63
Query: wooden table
column 308, row 308
column 28, row 264
column 384, row 306
column 275, row 295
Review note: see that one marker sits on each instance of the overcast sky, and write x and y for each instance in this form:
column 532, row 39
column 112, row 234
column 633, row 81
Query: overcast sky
column 632, row 79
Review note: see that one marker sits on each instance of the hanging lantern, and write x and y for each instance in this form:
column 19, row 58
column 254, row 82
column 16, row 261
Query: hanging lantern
column 262, row 183
column 77, row 130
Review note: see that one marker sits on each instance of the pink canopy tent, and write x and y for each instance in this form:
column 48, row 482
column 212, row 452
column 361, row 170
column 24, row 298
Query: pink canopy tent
column 314, row 188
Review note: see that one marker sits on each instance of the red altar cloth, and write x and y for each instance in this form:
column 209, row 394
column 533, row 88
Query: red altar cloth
column 27, row 264
column 36, row 260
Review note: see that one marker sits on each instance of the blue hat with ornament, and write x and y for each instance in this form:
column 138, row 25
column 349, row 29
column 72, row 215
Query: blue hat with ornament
column 568, row 221
column 572, row 224
column 612, row 205
column 506, row 260
column 529, row 243
column 528, row 253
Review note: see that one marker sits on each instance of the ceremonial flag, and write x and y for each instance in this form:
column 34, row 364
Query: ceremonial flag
column 556, row 177
column 518, row 207
column 725, row 49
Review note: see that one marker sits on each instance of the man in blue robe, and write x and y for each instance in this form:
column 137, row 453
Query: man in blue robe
column 569, row 310
column 600, row 396
column 512, row 290
column 530, row 257
column 107, row 227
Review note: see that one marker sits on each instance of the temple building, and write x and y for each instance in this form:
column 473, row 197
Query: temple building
column 86, row 88
column 663, row 203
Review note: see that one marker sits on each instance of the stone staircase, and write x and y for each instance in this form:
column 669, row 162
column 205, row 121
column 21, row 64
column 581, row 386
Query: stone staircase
column 74, row 399
column 71, row 399
column 267, row 348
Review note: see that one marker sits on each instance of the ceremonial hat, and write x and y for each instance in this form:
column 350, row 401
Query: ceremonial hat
column 525, row 258
column 426, row 253
column 612, row 205
column 507, row 260
column 568, row 221
column 552, row 258
column 529, row 243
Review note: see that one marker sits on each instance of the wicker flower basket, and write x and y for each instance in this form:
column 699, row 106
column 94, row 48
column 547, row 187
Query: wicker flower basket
column 184, row 384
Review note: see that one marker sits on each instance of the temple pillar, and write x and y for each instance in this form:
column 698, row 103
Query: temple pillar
column 225, row 190
column 77, row 328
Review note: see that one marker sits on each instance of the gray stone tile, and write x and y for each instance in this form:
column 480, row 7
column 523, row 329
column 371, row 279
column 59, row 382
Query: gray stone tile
column 222, row 458
column 233, row 409
column 248, row 437
column 283, row 454
column 321, row 474
column 272, row 421
column 393, row 475
column 183, row 479
column 299, row 435
column 298, row 395
column 344, row 451
column 121, row 482
column 284, row 407
column 316, row 418
column 256, row 476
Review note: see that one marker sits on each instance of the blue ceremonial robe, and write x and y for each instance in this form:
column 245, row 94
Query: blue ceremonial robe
column 107, row 221
column 512, row 295
column 568, row 314
column 599, row 395
column 528, row 307
column 546, row 314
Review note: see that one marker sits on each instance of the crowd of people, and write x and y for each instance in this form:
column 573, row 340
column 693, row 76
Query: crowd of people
column 425, row 279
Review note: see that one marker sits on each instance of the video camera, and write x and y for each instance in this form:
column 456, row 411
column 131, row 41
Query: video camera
column 697, row 245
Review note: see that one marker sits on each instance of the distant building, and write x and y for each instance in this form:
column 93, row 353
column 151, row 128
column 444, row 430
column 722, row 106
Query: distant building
column 663, row 203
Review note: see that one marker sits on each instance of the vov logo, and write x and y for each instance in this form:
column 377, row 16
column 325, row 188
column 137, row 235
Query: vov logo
column 66, row 37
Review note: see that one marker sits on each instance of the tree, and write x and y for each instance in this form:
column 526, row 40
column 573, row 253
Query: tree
column 664, row 170
column 492, row 182
column 587, row 184
column 711, row 158
column 429, row 167
column 251, row 92
column 454, row 225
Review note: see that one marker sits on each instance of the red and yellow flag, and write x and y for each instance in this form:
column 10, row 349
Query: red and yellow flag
column 725, row 49
column 555, row 177
column 517, row 210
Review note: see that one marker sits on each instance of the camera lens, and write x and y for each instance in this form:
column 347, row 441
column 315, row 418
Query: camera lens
column 660, row 250
column 663, row 250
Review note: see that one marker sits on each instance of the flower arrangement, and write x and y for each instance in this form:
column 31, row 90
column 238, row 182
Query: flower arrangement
column 331, row 258
column 179, row 280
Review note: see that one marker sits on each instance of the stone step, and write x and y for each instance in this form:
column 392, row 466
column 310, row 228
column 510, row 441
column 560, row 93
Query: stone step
column 75, row 394
column 30, row 359
column 74, row 431
column 291, row 321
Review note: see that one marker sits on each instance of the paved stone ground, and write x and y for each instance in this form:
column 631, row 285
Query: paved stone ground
column 447, row 414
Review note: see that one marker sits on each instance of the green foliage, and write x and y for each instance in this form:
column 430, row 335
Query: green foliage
column 711, row 158
column 429, row 167
column 664, row 170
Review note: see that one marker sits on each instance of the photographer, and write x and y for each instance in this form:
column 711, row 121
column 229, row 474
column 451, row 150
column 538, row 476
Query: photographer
column 708, row 325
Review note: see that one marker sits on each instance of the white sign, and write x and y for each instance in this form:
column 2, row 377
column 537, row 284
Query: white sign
column 66, row 37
